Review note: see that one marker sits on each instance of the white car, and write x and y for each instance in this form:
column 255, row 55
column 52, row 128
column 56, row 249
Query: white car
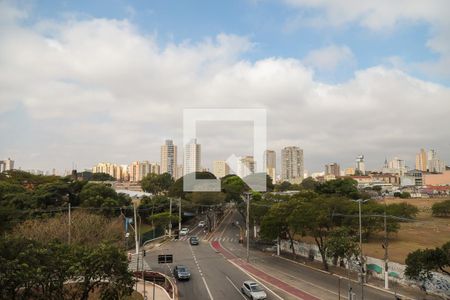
column 253, row 290
column 184, row 231
column 201, row 224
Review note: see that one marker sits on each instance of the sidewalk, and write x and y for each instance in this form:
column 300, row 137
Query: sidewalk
column 405, row 292
column 150, row 290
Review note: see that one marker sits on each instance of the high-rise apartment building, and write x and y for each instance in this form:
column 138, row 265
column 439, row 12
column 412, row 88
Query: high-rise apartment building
column 360, row 165
column 349, row 171
column 292, row 167
column 116, row 171
column 192, row 157
column 6, row 165
column 395, row 166
column 179, row 173
column 270, row 164
column 246, row 166
column 220, row 168
column 169, row 158
column 139, row 169
column 333, row 169
column 421, row 160
column 434, row 164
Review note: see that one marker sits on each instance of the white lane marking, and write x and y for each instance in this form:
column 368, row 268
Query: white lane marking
column 235, row 287
column 201, row 273
column 207, row 288
column 307, row 282
column 258, row 281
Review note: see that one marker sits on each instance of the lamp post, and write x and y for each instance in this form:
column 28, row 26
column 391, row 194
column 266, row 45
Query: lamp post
column 247, row 224
column 361, row 257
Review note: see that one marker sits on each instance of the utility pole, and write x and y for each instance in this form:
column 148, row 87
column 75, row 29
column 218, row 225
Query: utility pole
column 170, row 217
column 247, row 225
column 361, row 258
column 179, row 215
column 385, row 246
column 136, row 238
column 70, row 224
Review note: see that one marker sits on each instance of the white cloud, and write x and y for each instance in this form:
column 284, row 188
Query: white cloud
column 99, row 89
column 386, row 15
column 329, row 58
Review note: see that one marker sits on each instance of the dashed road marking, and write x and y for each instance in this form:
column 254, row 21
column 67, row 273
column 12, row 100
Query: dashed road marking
column 201, row 273
column 236, row 288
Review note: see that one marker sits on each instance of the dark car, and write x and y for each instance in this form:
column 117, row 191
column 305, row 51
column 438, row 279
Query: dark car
column 193, row 240
column 181, row 272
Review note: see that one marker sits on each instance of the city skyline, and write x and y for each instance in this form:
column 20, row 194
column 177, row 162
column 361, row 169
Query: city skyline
column 395, row 165
column 336, row 84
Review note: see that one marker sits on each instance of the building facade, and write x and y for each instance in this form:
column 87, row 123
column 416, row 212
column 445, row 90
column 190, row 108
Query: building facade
column 192, row 157
column 6, row 165
column 246, row 166
column 139, row 169
column 421, row 160
column 220, row 168
column 333, row 169
column 270, row 164
column 292, row 165
column 116, row 171
column 360, row 165
column 169, row 158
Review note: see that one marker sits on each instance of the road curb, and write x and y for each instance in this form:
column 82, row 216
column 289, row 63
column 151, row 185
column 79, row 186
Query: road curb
column 339, row 276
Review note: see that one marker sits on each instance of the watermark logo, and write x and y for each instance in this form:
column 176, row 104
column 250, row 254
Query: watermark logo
column 251, row 169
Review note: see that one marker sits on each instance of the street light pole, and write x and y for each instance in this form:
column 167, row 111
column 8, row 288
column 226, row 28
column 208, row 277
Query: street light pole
column 136, row 238
column 179, row 215
column 70, row 224
column 386, row 262
column 170, row 217
column 361, row 257
column 247, row 225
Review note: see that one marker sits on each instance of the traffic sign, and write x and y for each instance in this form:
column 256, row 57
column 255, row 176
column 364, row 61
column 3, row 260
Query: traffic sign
column 165, row 259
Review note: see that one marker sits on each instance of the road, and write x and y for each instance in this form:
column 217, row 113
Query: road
column 218, row 269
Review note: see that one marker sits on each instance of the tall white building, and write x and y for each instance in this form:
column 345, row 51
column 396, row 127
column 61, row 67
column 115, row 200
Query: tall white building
column 270, row 164
column 169, row 158
column 395, row 166
column 220, row 168
column 116, row 171
column 360, row 164
column 292, row 166
column 6, row 165
column 192, row 157
column 246, row 166
column 434, row 164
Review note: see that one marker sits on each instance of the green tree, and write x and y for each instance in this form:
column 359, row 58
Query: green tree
column 441, row 209
column 100, row 264
column 101, row 177
column 163, row 219
column 282, row 187
column 317, row 218
column 233, row 186
column 54, row 194
column 346, row 187
column 309, row 183
column 342, row 244
column 404, row 210
column 157, row 183
column 275, row 224
column 420, row 263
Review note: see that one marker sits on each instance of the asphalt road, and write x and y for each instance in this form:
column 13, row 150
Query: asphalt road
column 218, row 269
column 212, row 276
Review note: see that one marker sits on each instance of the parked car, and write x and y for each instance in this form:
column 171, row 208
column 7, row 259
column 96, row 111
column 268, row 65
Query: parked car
column 181, row 272
column 193, row 240
column 184, row 231
column 253, row 290
column 201, row 224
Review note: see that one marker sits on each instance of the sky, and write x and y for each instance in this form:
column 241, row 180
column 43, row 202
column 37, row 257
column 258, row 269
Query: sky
column 83, row 82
